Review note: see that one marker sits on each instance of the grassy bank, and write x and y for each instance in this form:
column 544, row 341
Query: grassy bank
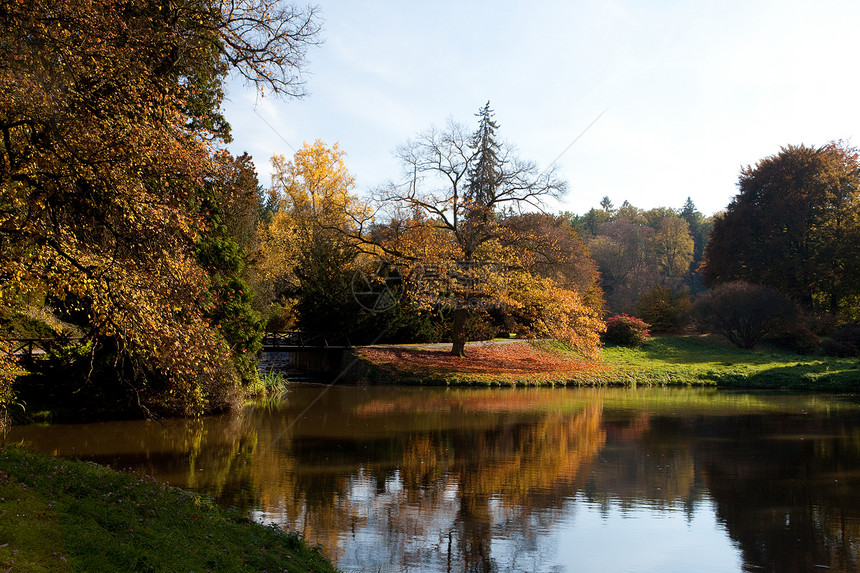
column 58, row 515
column 669, row 360
column 712, row 360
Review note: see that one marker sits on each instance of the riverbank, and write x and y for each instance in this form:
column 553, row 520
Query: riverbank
column 60, row 515
column 662, row 361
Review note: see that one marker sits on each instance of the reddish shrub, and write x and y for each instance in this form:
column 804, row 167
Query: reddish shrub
column 625, row 330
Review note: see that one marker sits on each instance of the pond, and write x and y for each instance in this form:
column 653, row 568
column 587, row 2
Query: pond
column 435, row 479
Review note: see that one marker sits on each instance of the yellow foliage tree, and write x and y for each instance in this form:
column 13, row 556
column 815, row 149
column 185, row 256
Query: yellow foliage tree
column 672, row 246
column 307, row 247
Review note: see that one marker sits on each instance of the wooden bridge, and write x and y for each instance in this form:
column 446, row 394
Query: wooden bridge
column 320, row 355
column 31, row 347
column 303, row 341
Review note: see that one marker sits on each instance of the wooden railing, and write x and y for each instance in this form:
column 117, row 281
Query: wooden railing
column 31, row 347
column 302, row 340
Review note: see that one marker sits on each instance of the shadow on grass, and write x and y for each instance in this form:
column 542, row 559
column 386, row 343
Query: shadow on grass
column 843, row 375
column 714, row 349
column 715, row 360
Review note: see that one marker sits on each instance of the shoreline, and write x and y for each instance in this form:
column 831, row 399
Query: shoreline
column 65, row 515
column 662, row 361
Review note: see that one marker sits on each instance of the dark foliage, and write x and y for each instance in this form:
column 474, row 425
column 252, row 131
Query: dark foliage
column 843, row 342
column 663, row 308
column 794, row 227
column 743, row 312
column 799, row 339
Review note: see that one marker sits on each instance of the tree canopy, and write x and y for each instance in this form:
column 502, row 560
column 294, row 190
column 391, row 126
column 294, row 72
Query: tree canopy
column 639, row 251
column 794, row 226
column 308, row 252
column 453, row 217
column 108, row 115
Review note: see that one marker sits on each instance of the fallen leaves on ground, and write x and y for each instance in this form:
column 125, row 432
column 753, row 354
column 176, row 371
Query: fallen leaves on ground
column 502, row 362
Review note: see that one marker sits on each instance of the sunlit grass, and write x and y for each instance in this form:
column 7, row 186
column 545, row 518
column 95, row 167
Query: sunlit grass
column 60, row 515
column 662, row 361
column 710, row 360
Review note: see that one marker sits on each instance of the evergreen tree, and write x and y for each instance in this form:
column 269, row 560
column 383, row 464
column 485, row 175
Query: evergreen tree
column 485, row 173
column 606, row 204
column 465, row 235
column 698, row 228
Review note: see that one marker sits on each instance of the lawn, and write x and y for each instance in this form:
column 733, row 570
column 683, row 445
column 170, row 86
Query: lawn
column 712, row 360
column 669, row 360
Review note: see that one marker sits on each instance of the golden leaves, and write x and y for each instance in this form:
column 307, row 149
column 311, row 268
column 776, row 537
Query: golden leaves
column 102, row 163
column 313, row 193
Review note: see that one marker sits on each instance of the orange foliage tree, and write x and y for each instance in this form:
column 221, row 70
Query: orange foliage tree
column 453, row 224
column 109, row 110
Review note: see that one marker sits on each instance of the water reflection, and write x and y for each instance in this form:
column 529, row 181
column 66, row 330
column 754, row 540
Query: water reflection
column 531, row 480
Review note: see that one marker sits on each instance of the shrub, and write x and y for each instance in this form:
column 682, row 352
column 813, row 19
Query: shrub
column 663, row 308
column 823, row 324
column 743, row 312
column 844, row 342
column 624, row 330
column 799, row 339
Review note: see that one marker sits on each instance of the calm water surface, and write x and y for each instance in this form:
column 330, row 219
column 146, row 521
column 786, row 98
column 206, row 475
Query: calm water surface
column 430, row 479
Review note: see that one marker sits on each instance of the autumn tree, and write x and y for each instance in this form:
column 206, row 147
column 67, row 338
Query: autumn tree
column 663, row 307
column 622, row 251
column 448, row 215
column 639, row 250
column 308, row 252
column 109, row 111
column 794, row 226
column 550, row 247
column 672, row 246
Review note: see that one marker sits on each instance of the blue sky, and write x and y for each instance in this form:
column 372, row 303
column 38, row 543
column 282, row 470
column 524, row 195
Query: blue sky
column 690, row 91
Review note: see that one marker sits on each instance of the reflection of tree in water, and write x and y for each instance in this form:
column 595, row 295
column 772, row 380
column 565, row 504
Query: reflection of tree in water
column 514, row 480
column 207, row 454
column 787, row 490
column 787, row 487
column 646, row 459
column 442, row 478
column 437, row 496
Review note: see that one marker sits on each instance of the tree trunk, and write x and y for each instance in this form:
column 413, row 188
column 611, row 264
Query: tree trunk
column 458, row 332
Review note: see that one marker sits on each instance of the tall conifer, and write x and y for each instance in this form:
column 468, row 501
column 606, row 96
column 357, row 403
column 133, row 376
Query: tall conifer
column 485, row 174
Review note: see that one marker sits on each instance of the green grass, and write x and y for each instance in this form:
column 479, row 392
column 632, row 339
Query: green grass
column 269, row 384
column 662, row 361
column 59, row 515
column 710, row 360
